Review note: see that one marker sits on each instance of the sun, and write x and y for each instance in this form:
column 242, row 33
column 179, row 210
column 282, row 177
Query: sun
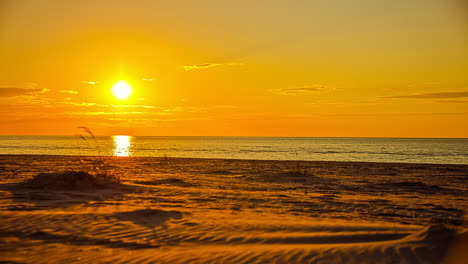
column 121, row 90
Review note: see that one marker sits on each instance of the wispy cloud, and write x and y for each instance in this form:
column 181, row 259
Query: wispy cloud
column 87, row 113
column 89, row 82
column 69, row 91
column 301, row 90
column 452, row 101
column 210, row 65
column 185, row 109
column 339, row 114
column 442, row 95
column 89, row 104
column 423, row 85
column 201, row 66
column 86, row 104
column 7, row 92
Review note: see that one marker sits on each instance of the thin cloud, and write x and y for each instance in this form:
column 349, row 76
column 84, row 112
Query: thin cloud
column 452, row 101
column 442, row 95
column 301, row 90
column 201, row 66
column 86, row 113
column 8, row 92
column 339, row 114
column 185, row 109
column 210, row 65
column 88, row 104
column 134, row 106
column 82, row 104
column 424, row 85
column 69, row 91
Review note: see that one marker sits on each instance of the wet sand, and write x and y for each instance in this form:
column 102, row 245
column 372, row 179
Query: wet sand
column 174, row 210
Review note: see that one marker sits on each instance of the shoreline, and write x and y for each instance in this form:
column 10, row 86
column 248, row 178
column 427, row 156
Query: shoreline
column 229, row 159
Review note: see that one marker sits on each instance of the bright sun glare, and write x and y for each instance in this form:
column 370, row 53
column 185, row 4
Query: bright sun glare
column 121, row 90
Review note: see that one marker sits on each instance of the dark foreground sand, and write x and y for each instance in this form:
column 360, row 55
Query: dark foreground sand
column 232, row 211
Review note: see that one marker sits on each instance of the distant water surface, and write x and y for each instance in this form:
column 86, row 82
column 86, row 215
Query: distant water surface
column 411, row 150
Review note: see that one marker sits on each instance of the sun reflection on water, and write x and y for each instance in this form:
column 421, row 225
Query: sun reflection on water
column 122, row 145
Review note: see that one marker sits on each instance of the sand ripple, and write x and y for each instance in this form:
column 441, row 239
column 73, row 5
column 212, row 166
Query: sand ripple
column 212, row 211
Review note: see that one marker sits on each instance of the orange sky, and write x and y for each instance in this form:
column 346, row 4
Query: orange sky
column 367, row 68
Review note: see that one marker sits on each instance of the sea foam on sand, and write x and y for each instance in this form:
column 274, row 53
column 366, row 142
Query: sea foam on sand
column 232, row 211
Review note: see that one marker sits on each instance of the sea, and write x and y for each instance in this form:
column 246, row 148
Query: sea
column 407, row 150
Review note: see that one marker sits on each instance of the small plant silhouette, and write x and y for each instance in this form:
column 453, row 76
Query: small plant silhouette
column 98, row 163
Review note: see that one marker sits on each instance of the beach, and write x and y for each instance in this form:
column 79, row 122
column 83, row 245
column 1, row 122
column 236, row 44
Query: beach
column 187, row 210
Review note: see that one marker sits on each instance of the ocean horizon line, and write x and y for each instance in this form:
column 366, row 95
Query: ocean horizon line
column 163, row 136
column 234, row 159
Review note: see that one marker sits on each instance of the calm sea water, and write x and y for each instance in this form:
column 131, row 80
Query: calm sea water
column 412, row 150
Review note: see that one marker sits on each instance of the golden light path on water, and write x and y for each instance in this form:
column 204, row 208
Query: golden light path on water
column 122, row 145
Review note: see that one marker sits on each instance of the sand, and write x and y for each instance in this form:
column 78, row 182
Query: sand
column 171, row 210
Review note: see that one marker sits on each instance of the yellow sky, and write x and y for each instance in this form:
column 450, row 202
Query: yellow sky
column 366, row 68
